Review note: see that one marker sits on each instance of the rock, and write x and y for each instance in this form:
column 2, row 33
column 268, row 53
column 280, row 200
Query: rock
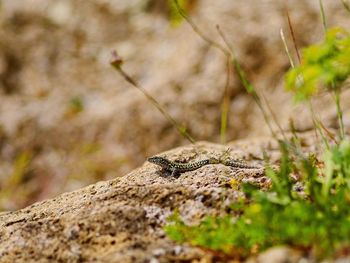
column 121, row 220
column 56, row 82
column 280, row 255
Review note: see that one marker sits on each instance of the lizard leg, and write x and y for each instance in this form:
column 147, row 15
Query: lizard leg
column 173, row 172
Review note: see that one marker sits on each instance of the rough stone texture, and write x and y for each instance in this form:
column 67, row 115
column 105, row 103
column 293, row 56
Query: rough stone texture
column 55, row 54
column 121, row 220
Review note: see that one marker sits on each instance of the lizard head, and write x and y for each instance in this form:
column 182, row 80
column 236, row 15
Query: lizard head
column 161, row 161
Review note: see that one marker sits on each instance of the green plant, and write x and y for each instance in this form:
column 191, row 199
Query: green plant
column 175, row 17
column 319, row 219
column 324, row 65
column 316, row 219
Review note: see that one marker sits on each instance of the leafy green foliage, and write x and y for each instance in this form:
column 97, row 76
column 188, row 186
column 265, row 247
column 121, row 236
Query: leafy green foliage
column 326, row 64
column 337, row 170
column 318, row 218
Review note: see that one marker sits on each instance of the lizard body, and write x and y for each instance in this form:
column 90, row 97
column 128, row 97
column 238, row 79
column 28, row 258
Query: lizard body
column 177, row 167
column 239, row 164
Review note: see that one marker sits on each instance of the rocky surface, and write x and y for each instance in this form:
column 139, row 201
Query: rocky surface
column 67, row 119
column 121, row 220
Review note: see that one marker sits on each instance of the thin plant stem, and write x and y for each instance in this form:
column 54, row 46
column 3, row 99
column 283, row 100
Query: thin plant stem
column 293, row 66
column 250, row 89
column 116, row 63
column 293, row 35
column 226, row 98
column 247, row 85
column 339, row 113
column 287, row 49
column 324, row 21
column 317, row 124
column 346, row 5
column 274, row 117
column 225, row 105
column 198, row 31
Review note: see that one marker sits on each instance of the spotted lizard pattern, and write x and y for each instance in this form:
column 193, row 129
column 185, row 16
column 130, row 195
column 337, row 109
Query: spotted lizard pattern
column 177, row 167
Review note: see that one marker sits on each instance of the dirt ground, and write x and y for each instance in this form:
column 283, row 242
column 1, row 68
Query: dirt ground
column 67, row 119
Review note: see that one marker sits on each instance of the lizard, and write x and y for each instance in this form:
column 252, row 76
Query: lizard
column 177, row 167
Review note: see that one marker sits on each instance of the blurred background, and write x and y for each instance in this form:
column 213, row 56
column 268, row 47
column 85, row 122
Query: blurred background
column 67, row 119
